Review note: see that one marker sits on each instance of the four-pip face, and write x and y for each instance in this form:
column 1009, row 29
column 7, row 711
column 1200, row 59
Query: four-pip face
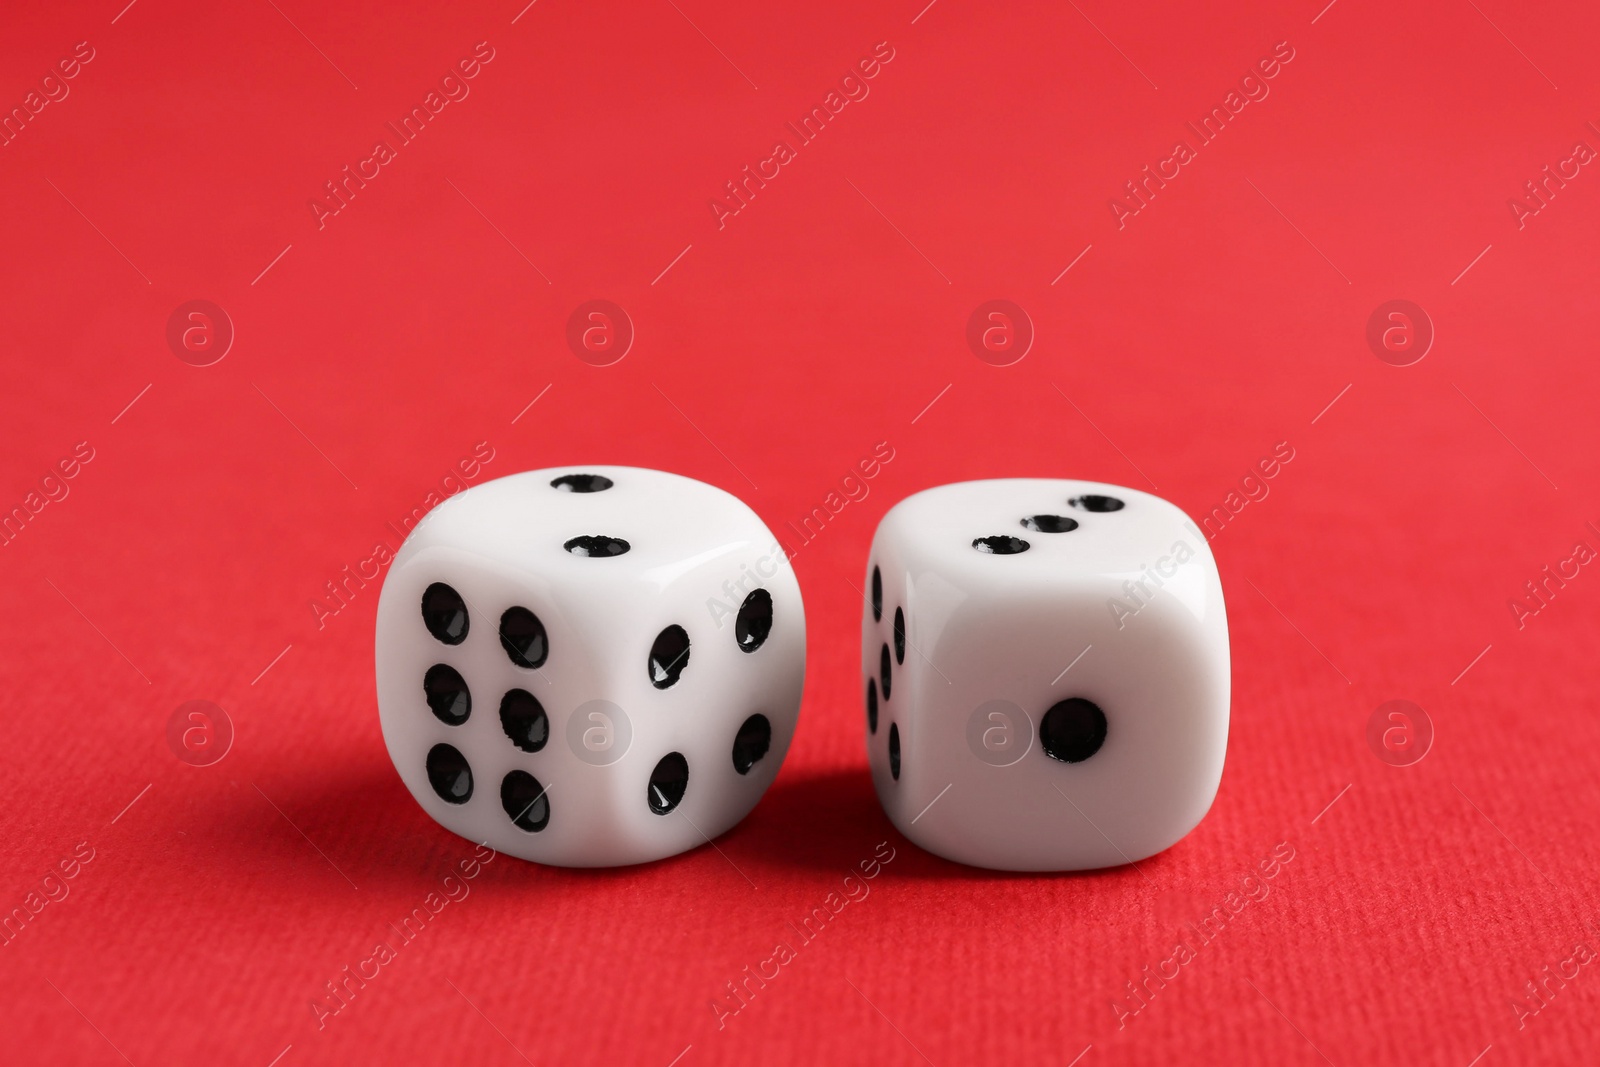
column 1045, row 669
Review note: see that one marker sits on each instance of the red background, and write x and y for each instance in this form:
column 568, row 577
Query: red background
column 774, row 353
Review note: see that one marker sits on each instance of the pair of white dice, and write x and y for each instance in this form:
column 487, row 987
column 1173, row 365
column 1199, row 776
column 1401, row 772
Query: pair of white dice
column 597, row 666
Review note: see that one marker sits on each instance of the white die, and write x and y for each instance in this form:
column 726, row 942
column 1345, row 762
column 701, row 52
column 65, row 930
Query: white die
column 560, row 601
column 1062, row 706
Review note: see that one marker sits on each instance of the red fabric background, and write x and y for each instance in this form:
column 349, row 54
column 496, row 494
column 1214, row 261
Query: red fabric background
column 775, row 353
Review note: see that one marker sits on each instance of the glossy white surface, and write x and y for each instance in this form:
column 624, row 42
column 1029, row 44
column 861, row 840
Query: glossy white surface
column 500, row 545
column 1066, row 618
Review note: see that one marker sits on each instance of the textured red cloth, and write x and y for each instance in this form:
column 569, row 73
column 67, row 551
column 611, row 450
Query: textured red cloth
column 400, row 330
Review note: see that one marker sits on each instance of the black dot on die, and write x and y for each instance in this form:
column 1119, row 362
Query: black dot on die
column 596, row 545
column 447, row 694
column 526, row 801
column 872, row 705
column 899, row 636
column 1050, row 523
column 1000, row 545
column 751, row 743
column 668, row 782
column 1072, row 730
column 877, row 595
column 894, row 752
column 668, row 657
column 524, row 721
column 449, row 774
column 754, row 621
column 1095, row 502
column 582, row 483
column 884, row 678
column 522, row 636
column 444, row 613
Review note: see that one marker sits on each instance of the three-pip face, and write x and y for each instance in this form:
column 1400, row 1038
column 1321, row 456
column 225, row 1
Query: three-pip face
column 1046, row 673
